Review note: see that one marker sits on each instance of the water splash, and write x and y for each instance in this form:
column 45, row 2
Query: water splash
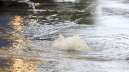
column 71, row 43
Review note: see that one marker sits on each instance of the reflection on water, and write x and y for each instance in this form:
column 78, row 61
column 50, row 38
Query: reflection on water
column 63, row 12
column 19, row 65
column 12, row 27
column 16, row 23
column 13, row 53
column 37, row 4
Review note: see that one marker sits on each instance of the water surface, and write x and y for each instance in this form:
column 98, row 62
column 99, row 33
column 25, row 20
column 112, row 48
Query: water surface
column 27, row 36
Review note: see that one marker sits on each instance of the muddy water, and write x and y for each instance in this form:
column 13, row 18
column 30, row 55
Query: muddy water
column 27, row 37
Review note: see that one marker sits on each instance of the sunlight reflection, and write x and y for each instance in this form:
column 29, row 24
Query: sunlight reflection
column 20, row 65
column 16, row 22
column 37, row 4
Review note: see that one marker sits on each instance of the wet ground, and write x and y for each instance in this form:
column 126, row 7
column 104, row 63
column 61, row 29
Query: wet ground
column 27, row 37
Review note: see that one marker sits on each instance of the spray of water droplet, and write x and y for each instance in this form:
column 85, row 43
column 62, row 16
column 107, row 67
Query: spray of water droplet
column 71, row 43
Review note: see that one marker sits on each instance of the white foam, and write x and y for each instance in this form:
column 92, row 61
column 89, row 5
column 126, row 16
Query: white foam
column 72, row 43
